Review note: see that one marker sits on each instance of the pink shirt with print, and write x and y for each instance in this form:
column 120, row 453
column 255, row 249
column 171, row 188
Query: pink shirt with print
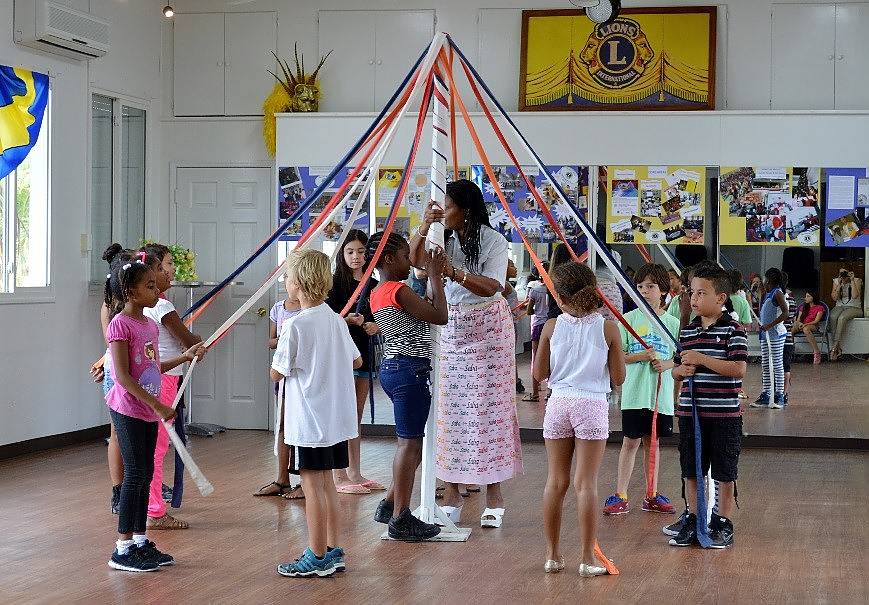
column 141, row 337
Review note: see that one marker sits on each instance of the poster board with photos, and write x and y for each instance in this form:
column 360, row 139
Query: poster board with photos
column 295, row 183
column 646, row 58
column 573, row 181
column 416, row 197
column 769, row 206
column 655, row 204
column 846, row 221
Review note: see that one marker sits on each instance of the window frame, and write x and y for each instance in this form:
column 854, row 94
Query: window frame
column 30, row 294
column 119, row 100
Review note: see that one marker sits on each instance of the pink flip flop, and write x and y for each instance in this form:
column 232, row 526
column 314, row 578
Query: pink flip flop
column 353, row 488
column 374, row 486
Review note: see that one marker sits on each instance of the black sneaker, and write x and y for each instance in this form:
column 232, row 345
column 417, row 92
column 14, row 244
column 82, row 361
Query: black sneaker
column 720, row 532
column 384, row 511
column 149, row 549
column 134, row 560
column 520, row 388
column 116, row 499
column 408, row 528
column 674, row 528
column 688, row 534
column 166, row 493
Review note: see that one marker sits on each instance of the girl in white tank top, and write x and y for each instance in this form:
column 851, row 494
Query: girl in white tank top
column 581, row 355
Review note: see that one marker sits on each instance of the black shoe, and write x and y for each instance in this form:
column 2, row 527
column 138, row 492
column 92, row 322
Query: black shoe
column 408, row 528
column 149, row 549
column 720, row 532
column 520, row 388
column 674, row 528
column 384, row 511
column 166, row 493
column 688, row 534
column 134, row 560
column 116, row 499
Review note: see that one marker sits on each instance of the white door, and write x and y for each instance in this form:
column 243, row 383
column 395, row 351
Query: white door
column 399, row 38
column 803, row 56
column 347, row 78
column 223, row 214
column 250, row 40
column 852, row 52
column 198, row 64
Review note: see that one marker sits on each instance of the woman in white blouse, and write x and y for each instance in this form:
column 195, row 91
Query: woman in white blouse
column 478, row 430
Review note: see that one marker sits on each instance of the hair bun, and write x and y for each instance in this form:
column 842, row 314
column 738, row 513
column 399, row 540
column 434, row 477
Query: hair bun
column 588, row 299
column 111, row 252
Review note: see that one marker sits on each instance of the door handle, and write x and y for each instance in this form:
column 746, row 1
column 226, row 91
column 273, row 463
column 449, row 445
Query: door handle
column 261, row 312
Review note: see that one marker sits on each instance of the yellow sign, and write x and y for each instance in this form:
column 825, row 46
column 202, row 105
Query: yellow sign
column 655, row 204
column 649, row 58
column 775, row 206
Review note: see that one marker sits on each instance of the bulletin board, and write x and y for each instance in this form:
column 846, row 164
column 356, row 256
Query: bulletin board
column 296, row 183
column 846, row 221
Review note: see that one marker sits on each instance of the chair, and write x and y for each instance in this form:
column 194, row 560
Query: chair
column 823, row 335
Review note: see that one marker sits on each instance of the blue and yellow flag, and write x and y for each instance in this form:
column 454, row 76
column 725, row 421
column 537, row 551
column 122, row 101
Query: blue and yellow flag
column 23, row 97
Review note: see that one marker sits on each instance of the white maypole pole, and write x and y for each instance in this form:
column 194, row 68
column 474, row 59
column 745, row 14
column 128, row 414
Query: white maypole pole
column 428, row 510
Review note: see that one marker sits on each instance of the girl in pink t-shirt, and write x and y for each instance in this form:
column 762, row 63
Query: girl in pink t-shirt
column 134, row 408
column 809, row 315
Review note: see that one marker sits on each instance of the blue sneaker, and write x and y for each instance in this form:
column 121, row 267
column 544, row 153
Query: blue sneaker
column 778, row 402
column 762, row 401
column 336, row 555
column 785, row 400
column 308, row 565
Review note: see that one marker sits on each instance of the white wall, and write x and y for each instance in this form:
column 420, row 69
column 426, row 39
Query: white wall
column 46, row 348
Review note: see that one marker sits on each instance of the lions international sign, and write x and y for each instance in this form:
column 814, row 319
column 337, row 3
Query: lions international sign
column 650, row 58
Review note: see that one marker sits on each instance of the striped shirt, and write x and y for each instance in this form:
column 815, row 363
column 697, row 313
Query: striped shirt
column 716, row 395
column 792, row 315
column 403, row 334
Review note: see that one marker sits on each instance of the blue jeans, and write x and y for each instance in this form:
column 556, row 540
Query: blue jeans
column 405, row 380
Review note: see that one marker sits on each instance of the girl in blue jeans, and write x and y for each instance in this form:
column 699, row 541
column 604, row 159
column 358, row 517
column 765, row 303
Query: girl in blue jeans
column 404, row 319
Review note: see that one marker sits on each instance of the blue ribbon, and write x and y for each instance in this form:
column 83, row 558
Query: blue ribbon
column 311, row 198
column 702, row 528
column 178, row 478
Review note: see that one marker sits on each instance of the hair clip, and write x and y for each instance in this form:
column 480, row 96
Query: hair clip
column 109, row 276
column 141, row 255
column 127, row 266
column 139, row 261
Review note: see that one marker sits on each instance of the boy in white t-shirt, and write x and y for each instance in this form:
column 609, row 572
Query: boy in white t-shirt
column 316, row 358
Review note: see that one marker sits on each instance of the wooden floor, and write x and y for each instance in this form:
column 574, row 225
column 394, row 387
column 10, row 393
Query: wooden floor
column 801, row 537
column 825, row 401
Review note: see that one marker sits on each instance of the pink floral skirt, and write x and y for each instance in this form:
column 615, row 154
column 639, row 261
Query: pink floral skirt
column 477, row 428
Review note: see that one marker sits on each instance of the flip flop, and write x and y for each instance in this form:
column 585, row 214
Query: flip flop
column 531, row 398
column 352, row 488
column 373, row 486
column 473, row 489
column 294, row 493
column 280, row 491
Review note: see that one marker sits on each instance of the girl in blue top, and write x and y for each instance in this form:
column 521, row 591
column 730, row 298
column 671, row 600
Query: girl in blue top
column 773, row 313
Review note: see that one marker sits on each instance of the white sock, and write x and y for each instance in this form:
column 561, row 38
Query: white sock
column 123, row 546
column 139, row 539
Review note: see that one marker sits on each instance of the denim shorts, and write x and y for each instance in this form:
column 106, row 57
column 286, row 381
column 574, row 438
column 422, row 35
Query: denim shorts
column 405, row 380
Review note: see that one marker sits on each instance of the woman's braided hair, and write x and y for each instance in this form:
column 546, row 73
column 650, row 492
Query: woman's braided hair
column 576, row 285
column 466, row 195
column 394, row 243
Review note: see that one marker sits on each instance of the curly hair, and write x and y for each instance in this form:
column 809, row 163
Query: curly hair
column 466, row 195
column 158, row 251
column 309, row 269
column 576, row 285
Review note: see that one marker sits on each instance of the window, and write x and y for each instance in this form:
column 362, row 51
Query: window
column 117, row 197
column 24, row 219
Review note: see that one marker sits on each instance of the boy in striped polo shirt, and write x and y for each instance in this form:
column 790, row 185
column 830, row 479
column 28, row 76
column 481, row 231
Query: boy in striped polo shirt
column 713, row 357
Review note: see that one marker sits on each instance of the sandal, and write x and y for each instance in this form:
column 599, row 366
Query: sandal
column 531, row 398
column 454, row 513
column 373, row 486
column 474, row 489
column 352, row 488
column 280, row 491
column 294, row 493
column 492, row 517
column 167, row 521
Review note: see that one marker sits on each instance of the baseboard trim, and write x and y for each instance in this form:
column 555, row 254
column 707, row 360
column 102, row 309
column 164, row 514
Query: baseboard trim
column 40, row 444
column 529, row 435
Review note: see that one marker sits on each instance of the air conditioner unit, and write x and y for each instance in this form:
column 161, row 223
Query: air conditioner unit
column 54, row 28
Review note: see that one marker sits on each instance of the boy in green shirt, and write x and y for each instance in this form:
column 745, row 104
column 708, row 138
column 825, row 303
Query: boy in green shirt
column 640, row 389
